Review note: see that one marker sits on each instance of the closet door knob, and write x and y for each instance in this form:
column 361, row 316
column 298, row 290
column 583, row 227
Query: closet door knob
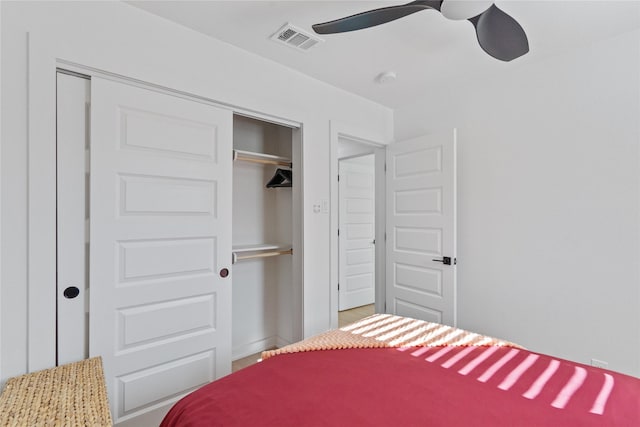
column 224, row 272
column 71, row 292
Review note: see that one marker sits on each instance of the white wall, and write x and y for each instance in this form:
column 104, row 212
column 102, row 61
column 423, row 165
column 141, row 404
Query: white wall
column 349, row 148
column 548, row 201
column 121, row 39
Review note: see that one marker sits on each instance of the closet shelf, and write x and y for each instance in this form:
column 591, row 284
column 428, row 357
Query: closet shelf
column 263, row 250
column 265, row 159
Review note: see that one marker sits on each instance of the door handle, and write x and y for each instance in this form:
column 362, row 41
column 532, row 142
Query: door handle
column 446, row 260
column 71, row 292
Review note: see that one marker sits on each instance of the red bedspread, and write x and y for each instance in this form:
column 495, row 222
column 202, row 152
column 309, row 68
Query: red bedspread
column 441, row 386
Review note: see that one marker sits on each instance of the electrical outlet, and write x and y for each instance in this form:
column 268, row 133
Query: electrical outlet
column 599, row 363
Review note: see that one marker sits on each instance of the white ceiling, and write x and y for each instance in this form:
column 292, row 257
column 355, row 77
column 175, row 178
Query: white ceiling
column 425, row 49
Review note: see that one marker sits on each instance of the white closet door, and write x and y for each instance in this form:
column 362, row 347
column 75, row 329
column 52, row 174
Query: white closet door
column 72, row 137
column 421, row 228
column 160, row 244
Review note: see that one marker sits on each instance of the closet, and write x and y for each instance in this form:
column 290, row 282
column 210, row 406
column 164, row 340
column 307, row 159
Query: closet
column 267, row 272
column 179, row 239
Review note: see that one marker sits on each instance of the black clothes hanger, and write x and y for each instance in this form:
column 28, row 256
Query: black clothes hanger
column 282, row 178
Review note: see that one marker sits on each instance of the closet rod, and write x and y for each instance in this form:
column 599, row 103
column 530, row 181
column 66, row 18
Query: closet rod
column 265, row 159
column 237, row 257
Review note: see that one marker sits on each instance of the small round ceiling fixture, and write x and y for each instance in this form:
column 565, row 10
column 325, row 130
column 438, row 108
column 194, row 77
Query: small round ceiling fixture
column 386, row 77
column 463, row 9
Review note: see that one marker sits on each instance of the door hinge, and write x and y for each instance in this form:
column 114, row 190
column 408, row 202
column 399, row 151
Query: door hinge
column 338, row 177
column 385, row 236
column 338, row 231
column 385, row 167
column 338, row 286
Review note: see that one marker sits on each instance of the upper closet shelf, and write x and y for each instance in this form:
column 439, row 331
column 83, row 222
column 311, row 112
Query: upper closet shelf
column 266, row 159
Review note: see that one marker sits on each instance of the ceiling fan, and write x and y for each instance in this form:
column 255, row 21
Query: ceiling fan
column 498, row 33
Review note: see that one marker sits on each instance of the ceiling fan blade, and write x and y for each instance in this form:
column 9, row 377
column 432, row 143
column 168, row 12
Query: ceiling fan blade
column 500, row 35
column 374, row 17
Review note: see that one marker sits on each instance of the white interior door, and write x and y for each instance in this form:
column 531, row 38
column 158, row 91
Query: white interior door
column 72, row 139
column 421, row 228
column 356, row 240
column 160, row 242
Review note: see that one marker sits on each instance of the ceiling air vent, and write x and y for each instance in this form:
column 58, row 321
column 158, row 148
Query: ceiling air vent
column 295, row 37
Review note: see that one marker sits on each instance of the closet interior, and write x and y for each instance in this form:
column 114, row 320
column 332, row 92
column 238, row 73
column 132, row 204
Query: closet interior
column 266, row 235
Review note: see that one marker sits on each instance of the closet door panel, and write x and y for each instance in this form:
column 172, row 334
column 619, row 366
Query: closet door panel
column 72, row 214
column 159, row 237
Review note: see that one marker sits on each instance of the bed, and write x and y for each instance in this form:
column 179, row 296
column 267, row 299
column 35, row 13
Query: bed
column 393, row 371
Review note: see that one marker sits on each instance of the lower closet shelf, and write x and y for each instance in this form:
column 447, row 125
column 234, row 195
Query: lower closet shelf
column 264, row 250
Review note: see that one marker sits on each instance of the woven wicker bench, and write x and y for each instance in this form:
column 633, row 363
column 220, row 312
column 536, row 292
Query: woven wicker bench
column 67, row 395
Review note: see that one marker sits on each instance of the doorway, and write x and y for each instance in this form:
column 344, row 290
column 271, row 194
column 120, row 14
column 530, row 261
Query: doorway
column 356, row 232
column 360, row 229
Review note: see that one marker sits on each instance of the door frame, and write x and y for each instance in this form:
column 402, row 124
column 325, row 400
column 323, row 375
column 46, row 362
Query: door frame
column 377, row 144
column 45, row 58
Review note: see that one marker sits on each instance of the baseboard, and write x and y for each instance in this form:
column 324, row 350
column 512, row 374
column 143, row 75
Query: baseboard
column 254, row 347
column 281, row 342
